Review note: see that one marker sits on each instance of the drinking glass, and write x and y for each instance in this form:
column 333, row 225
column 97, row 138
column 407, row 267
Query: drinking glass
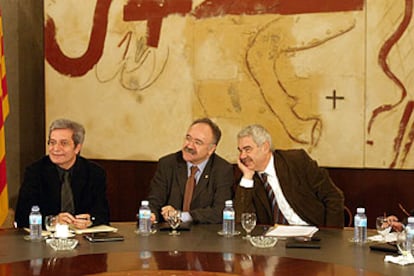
column 174, row 220
column 248, row 221
column 403, row 245
column 50, row 223
column 383, row 226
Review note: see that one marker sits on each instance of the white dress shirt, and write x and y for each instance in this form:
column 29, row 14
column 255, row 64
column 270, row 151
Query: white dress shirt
column 273, row 180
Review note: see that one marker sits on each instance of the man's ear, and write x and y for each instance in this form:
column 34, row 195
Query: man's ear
column 212, row 148
column 266, row 146
column 78, row 149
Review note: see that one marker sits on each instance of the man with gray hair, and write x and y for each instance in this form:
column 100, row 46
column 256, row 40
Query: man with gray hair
column 284, row 186
column 63, row 183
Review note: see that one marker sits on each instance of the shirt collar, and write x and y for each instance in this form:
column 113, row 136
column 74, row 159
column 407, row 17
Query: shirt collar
column 200, row 166
column 270, row 168
column 61, row 171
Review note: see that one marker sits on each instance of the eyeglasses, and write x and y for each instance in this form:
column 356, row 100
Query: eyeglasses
column 61, row 143
column 196, row 142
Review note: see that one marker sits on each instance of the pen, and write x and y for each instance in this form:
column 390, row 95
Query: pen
column 91, row 218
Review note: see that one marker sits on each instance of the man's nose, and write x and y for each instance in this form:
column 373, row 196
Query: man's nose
column 191, row 144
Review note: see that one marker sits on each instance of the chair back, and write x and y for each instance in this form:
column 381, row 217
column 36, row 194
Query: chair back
column 348, row 217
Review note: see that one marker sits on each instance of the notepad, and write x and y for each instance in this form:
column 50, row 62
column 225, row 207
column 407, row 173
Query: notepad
column 96, row 229
column 285, row 231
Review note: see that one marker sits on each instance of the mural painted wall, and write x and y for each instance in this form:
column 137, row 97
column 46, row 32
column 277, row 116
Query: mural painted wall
column 332, row 77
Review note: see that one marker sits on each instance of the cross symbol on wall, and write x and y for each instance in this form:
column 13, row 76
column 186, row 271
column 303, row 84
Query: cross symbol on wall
column 334, row 98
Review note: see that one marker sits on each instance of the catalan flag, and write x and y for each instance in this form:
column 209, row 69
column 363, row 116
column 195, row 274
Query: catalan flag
column 4, row 111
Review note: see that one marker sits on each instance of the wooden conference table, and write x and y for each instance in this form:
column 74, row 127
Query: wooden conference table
column 200, row 251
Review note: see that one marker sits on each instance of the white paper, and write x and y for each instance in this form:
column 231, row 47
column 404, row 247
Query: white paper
column 400, row 260
column 96, row 229
column 292, row 231
column 391, row 237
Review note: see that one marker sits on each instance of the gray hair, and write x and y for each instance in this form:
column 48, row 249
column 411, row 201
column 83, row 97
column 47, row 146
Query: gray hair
column 258, row 133
column 78, row 130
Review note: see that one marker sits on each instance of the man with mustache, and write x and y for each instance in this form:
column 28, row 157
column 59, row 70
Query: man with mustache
column 213, row 178
column 284, row 186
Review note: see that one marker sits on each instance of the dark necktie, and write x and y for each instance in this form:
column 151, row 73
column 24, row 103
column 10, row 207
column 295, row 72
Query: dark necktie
column 278, row 217
column 67, row 204
column 189, row 188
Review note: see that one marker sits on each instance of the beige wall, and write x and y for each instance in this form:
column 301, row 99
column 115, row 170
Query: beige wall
column 138, row 97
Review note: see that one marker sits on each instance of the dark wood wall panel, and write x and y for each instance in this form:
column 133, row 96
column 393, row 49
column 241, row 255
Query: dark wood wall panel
column 128, row 184
column 377, row 190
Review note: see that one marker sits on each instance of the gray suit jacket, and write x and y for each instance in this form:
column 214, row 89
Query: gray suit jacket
column 213, row 189
column 308, row 189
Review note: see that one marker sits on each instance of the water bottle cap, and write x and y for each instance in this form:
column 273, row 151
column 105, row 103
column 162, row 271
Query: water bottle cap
column 410, row 219
column 35, row 208
column 229, row 203
column 144, row 203
column 360, row 210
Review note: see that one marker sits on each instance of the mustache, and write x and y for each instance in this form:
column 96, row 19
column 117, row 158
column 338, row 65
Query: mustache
column 192, row 151
column 244, row 160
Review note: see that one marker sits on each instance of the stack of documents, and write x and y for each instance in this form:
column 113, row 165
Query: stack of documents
column 286, row 231
column 74, row 230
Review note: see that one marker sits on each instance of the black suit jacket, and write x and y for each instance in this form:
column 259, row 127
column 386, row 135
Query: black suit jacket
column 41, row 186
column 308, row 189
column 213, row 189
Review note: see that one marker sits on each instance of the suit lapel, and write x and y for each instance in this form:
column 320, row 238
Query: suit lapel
column 182, row 176
column 53, row 185
column 261, row 195
column 78, row 180
column 282, row 175
column 202, row 182
column 204, row 179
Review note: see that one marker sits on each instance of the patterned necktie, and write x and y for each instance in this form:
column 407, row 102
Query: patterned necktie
column 278, row 217
column 67, row 204
column 189, row 188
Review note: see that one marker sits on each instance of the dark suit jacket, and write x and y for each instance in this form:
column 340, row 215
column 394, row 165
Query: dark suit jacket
column 213, row 189
column 41, row 186
column 308, row 189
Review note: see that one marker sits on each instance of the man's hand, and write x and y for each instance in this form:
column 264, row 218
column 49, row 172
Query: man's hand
column 153, row 218
column 396, row 225
column 65, row 218
column 164, row 211
column 247, row 173
column 82, row 221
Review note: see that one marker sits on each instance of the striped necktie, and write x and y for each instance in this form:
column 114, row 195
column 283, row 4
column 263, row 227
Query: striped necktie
column 278, row 217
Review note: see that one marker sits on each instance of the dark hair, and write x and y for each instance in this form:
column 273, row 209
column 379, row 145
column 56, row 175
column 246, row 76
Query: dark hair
column 214, row 128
